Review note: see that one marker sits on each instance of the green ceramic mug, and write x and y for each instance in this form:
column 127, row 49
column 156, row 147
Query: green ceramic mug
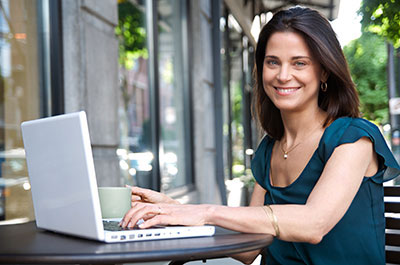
column 114, row 201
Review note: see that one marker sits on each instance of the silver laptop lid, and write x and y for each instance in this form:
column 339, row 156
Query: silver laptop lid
column 62, row 175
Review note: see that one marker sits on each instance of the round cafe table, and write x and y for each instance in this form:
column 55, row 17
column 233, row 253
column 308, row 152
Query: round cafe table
column 24, row 243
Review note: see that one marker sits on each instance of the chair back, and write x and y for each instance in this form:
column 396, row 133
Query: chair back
column 392, row 216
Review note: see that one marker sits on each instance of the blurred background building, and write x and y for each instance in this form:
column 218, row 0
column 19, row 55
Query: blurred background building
column 166, row 85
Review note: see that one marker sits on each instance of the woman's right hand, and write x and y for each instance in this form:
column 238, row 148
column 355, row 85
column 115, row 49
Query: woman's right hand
column 149, row 196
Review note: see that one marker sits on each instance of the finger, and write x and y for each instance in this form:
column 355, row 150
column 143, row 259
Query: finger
column 144, row 212
column 124, row 221
column 161, row 219
column 138, row 191
column 138, row 194
column 140, row 215
column 136, row 198
column 134, row 189
column 130, row 214
column 148, row 216
column 156, row 220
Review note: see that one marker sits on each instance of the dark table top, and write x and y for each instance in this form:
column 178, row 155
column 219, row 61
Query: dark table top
column 24, row 243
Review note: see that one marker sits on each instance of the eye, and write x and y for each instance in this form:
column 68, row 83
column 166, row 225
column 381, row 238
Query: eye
column 271, row 62
column 300, row 64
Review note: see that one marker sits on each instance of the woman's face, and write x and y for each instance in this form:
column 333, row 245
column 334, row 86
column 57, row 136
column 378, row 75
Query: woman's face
column 291, row 76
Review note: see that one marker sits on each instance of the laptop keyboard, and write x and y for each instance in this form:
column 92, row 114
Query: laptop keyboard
column 114, row 226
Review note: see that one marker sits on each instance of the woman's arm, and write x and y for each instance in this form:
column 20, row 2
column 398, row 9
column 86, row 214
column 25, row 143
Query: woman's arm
column 332, row 195
column 257, row 199
column 325, row 206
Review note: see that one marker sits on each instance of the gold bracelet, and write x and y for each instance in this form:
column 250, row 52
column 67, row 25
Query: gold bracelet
column 273, row 219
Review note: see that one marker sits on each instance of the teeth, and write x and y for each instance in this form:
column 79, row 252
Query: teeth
column 286, row 90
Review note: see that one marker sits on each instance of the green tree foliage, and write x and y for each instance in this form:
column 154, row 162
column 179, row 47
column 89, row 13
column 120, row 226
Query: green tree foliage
column 367, row 57
column 237, row 124
column 383, row 18
column 131, row 32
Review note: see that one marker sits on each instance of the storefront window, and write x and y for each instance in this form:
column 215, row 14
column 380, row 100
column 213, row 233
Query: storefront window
column 22, row 97
column 135, row 152
column 171, row 90
column 173, row 73
column 233, row 81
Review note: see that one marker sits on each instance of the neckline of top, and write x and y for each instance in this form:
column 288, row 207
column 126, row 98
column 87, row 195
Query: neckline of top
column 269, row 156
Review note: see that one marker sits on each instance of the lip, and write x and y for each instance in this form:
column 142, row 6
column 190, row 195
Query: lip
column 286, row 90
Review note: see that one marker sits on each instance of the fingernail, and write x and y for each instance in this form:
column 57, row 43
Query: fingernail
column 141, row 225
column 130, row 225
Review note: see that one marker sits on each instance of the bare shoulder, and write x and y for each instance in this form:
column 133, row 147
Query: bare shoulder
column 360, row 152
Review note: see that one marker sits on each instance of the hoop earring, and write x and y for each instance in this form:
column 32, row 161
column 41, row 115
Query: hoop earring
column 324, row 86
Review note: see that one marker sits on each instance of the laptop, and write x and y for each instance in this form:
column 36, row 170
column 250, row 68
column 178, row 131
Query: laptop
column 64, row 187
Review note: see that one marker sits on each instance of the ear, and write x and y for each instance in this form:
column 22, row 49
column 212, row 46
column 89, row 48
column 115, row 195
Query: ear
column 324, row 75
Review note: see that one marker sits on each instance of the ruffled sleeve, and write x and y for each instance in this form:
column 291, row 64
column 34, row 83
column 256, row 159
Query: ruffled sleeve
column 349, row 130
column 258, row 164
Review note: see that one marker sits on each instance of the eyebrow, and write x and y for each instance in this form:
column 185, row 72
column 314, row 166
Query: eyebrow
column 293, row 58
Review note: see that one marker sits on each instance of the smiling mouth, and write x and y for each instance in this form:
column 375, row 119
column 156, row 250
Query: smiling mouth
column 286, row 90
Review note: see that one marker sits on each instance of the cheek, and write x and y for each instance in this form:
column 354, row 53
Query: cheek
column 266, row 77
column 313, row 83
column 267, row 81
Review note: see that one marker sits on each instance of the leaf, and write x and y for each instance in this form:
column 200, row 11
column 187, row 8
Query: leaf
column 367, row 57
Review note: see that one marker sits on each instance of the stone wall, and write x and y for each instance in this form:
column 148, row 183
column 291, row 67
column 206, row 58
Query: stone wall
column 91, row 84
column 203, row 101
column 90, row 50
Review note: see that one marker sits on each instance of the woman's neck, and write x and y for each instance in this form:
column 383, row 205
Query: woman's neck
column 298, row 126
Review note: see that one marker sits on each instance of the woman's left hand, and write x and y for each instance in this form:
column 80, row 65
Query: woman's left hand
column 164, row 214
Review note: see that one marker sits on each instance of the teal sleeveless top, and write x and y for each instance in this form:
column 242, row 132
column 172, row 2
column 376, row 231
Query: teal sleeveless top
column 359, row 237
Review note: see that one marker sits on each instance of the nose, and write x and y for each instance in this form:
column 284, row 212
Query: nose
column 284, row 73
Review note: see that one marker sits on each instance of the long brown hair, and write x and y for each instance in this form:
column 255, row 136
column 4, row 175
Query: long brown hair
column 339, row 100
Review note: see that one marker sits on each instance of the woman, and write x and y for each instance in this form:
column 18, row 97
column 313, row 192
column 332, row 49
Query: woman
column 319, row 169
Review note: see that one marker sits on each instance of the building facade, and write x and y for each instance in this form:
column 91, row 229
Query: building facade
column 166, row 86
column 156, row 119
